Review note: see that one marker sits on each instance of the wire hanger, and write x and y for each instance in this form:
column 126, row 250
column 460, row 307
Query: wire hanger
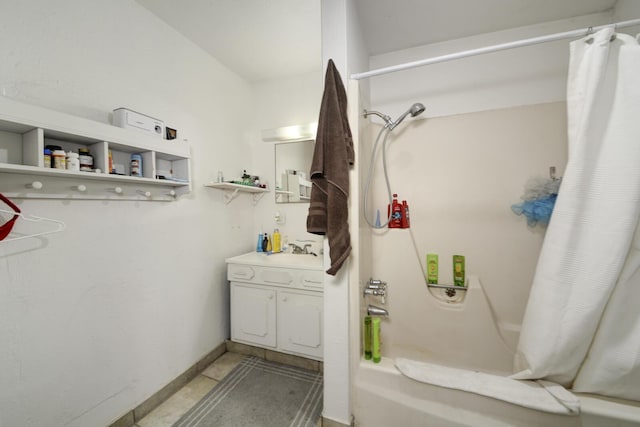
column 32, row 218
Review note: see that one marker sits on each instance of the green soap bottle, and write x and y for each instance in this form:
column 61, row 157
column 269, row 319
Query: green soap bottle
column 458, row 270
column 375, row 337
column 432, row 268
column 367, row 337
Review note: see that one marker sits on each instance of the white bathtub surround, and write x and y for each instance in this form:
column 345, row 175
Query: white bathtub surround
column 581, row 325
column 384, row 397
column 540, row 395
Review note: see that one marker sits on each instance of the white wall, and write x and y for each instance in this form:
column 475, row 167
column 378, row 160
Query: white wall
column 96, row 319
column 522, row 76
column 342, row 41
column 280, row 103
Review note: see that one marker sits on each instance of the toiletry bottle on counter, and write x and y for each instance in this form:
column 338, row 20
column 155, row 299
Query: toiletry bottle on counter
column 136, row 165
column 276, row 241
column 395, row 210
column 259, row 244
column 285, row 244
column 265, row 242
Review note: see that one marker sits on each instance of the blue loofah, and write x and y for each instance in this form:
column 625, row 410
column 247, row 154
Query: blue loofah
column 536, row 211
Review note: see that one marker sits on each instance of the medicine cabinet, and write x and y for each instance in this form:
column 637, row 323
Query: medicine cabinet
column 26, row 129
column 293, row 149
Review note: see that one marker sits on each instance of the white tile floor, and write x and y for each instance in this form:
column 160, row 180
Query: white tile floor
column 167, row 413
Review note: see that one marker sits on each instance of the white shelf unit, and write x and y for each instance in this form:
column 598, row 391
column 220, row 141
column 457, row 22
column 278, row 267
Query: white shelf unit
column 232, row 190
column 26, row 129
column 295, row 188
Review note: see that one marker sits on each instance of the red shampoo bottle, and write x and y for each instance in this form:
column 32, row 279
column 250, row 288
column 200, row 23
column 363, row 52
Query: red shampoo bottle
column 404, row 221
column 396, row 213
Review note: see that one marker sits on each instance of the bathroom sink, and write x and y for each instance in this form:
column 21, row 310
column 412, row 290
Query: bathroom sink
column 304, row 261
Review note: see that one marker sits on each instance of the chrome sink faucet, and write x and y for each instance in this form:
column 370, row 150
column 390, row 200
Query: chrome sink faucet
column 300, row 250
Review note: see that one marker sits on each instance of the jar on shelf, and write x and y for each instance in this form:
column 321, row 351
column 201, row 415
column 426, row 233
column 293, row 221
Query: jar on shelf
column 136, row 165
column 86, row 160
column 47, row 158
column 58, row 159
column 73, row 161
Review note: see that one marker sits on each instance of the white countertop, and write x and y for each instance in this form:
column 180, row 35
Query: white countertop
column 307, row 262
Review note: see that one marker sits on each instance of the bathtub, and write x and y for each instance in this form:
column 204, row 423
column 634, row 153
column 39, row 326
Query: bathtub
column 384, row 397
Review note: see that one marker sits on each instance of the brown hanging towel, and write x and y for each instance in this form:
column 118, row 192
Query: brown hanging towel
column 332, row 158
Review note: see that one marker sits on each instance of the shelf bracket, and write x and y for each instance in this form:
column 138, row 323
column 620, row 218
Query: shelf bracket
column 257, row 197
column 230, row 195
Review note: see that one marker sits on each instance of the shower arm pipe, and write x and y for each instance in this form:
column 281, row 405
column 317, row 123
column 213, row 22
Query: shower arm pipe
column 494, row 48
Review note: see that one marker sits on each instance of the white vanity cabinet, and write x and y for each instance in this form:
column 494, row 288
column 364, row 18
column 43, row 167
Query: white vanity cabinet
column 253, row 314
column 277, row 303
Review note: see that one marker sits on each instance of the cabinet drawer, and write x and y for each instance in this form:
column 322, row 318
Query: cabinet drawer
column 312, row 280
column 239, row 272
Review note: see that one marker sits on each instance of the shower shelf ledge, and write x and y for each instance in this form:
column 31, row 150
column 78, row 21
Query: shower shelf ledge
column 454, row 287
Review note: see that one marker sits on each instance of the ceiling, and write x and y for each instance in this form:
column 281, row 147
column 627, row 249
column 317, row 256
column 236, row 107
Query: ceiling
column 271, row 39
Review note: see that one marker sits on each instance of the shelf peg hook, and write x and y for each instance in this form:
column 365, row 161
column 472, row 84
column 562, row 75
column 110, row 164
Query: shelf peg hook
column 144, row 193
column 117, row 190
column 172, row 193
column 36, row 185
column 81, row 188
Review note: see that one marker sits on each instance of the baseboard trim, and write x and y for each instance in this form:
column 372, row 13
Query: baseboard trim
column 137, row 413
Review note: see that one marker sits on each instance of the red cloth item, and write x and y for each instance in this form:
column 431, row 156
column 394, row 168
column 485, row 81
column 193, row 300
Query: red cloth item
column 5, row 228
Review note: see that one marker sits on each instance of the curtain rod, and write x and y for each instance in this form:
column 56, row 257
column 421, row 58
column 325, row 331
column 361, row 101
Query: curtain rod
column 488, row 49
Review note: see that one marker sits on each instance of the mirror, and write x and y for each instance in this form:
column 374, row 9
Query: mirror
column 293, row 161
column 293, row 152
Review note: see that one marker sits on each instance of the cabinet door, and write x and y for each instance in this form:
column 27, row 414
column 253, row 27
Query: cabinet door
column 300, row 323
column 253, row 315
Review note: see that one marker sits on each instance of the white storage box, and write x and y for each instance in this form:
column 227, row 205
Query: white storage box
column 125, row 118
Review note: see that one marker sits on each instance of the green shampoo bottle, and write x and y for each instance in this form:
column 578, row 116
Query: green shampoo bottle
column 367, row 337
column 375, row 338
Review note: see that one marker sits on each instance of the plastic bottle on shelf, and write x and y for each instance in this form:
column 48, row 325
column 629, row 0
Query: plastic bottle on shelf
column 47, row 158
column 404, row 221
column 58, row 159
column 73, row 161
column 395, row 210
column 136, row 165
column 86, row 160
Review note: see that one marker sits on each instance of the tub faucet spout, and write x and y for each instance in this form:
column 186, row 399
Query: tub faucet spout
column 372, row 310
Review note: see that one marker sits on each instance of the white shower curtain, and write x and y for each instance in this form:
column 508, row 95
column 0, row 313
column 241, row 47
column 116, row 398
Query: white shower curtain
column 582, row 323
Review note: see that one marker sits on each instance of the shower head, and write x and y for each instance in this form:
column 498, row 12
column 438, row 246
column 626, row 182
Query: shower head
column 415, row 110
column 384, row 117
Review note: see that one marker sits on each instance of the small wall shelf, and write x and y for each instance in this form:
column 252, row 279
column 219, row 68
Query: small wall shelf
column 26, row 129
column 232, row 190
